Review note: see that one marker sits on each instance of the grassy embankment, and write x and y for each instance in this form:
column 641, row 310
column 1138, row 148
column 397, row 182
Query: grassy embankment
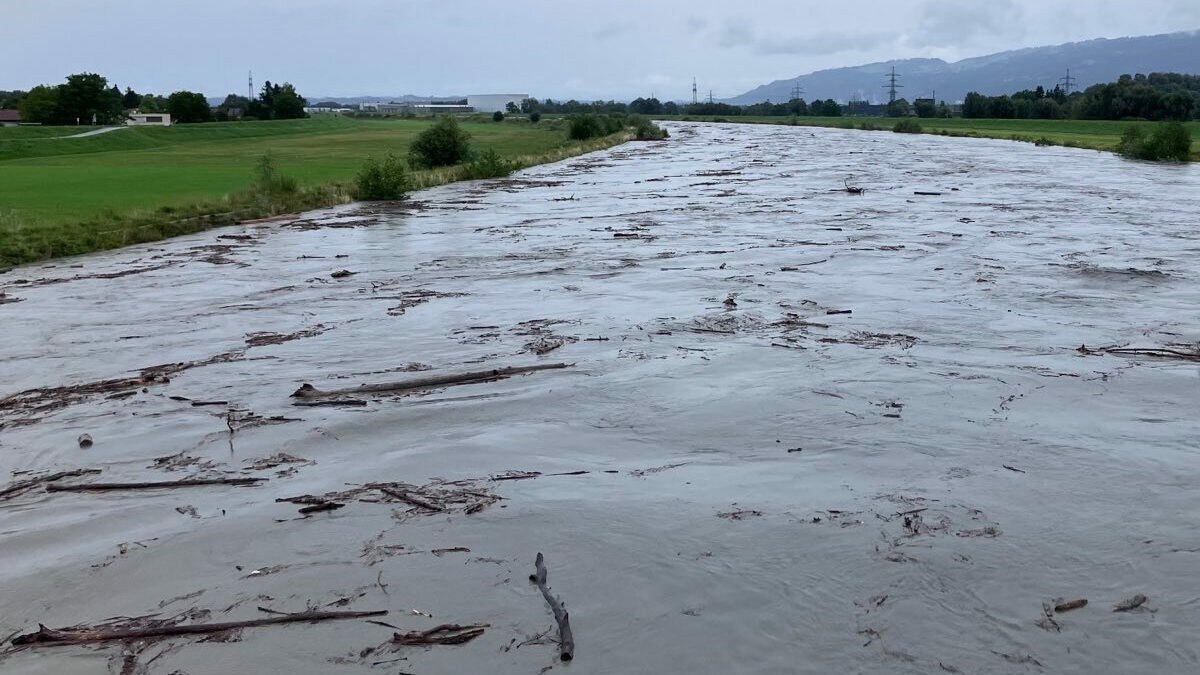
column 69, row 196
column 1090, row 134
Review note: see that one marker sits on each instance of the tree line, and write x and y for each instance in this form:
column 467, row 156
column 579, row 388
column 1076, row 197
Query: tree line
column 653, row 106
column 1157, row 97
column 89, row 99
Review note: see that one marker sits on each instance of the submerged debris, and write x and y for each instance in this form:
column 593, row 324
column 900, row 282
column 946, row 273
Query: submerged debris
column 151, row 628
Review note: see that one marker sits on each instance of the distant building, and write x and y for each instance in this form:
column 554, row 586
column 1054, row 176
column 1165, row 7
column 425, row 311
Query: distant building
column 10, row 118
column 416, row 108
column 311, row 110
column 149, row 119
column 490, row 103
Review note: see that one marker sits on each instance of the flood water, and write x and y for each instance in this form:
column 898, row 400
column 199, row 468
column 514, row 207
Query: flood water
column 751, row 455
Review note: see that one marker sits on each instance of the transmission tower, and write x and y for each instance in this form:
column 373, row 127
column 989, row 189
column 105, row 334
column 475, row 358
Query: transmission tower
column 891, row 86
column 695, row 98
column 250, row 86
column 710, row 98
column 797, row 91
column 1068, row 82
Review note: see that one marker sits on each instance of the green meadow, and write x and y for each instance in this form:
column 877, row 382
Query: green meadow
column 65, row 196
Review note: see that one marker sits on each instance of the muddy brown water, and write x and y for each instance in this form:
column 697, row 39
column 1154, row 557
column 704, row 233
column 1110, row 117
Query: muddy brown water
column 760, row 447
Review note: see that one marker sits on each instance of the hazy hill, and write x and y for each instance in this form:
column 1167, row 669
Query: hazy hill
column 1092, row 62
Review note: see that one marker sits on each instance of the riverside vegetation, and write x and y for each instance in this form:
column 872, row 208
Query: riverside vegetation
column 68, row 196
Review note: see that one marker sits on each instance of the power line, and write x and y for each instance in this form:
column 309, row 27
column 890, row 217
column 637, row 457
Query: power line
column 891, row 86
column 797, row 91
column 1068, row 82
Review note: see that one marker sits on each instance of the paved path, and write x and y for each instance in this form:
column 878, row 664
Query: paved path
column 93, row 132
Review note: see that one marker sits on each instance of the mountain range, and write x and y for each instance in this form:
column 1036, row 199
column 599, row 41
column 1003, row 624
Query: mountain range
column 1090, row 62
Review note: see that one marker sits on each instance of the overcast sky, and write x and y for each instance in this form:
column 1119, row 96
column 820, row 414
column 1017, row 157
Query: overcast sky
column 561, row 49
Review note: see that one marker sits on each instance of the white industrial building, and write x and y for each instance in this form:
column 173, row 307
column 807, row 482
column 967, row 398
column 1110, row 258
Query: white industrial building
column 490, row 103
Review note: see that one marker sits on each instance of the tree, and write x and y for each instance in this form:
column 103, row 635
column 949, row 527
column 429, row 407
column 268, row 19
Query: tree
column 898, row 108
column 130, row 100
column 187, row 107
column 286, row 104
column 975, row 106
column 1178, row 106
column 11, row 99
column 925, row 108
column 512, row 108
column 152, row 104
column 40, row 105
column 443, row 144
column 86, row 99
column 232, row 108
column 1003, row 108
column 529, row 105
column 646, row 106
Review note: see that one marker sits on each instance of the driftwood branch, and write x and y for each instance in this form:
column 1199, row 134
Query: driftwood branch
column 75, row 636
column 566, row 641
column 445, row 634
column 409, row 499
column 307, row 391
column 1162, row 352
column 22, row 485
column 194, row 482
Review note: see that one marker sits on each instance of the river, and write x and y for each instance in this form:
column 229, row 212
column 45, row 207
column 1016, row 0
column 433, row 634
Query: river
column 823, row 432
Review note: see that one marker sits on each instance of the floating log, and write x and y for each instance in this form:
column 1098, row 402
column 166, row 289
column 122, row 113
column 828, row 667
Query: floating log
column 22, row 485
column 192, row 482
column 323, row 506
column 87, row 635
column 307, row 391
column 1061, row 605
column 566, row 641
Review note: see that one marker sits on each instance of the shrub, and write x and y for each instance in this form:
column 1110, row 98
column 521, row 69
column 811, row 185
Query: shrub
column 1170, row 141
column 535, row 117
column 488, row 164
column 647, row 130
column 907, row 126
column 268, row 182
column 383, row 181
column 497, row 116
column 1043, row 142
column 869, row 126
column 443, row 144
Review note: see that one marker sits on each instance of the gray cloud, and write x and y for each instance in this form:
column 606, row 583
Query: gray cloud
column 951, row 23
column 612, row 30
column 392, row 47
column 738, row 33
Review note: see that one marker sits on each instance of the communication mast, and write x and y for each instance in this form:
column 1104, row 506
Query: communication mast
column 891, row 86
column 1068, row 82
column 695, row 92
column 250, row 86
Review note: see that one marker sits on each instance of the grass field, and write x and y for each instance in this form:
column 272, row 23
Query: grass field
column 68, row 196
column 1092, row 134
